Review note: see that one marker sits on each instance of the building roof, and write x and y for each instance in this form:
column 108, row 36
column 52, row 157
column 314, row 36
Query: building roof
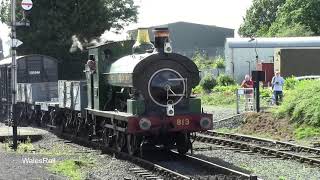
column 273, row 42
column 8, row 60
column 186, row 35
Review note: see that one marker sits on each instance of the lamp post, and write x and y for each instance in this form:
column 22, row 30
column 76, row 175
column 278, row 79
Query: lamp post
column 249, row 62
column 257, row 75
column 13, row 74
column 255, row 47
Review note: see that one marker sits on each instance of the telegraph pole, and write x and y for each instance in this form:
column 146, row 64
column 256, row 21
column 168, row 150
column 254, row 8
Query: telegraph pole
column 14, row 75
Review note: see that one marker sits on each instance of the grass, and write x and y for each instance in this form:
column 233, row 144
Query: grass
column 226, row 130
column 23, row 147
column 219, row 99
column 71, row 168
column 306, row 131
column 302, row 104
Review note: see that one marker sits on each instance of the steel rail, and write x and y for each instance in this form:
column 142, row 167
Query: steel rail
column 239, row 143
column 247, row 138
column 218, row 168
column 154, row 166
column 161, row 171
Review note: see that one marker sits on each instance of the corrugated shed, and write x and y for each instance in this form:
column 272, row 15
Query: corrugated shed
column 188, row 37
column 240, row 53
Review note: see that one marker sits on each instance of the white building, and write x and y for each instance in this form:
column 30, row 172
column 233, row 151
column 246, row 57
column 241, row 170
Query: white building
column 1, row 49
column 241, row 53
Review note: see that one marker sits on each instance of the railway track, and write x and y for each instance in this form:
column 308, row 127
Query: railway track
column 269, row 148
column 155, row 168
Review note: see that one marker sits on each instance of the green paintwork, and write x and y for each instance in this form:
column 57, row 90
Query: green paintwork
column 195, row 105
column 97, row 86
column 120, row 72
column 135, row 107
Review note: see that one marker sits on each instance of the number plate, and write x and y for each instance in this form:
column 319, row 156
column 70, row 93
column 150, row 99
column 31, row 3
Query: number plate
column 183, row 121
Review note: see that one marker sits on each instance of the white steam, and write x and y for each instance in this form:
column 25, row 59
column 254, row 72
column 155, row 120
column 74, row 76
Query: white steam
column 76, row 44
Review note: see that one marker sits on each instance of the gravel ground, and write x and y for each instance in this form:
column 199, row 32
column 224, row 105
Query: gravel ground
column 13, row 168
column 104, row 166
column 266, row 168
column 224, row 117
column 220, row 112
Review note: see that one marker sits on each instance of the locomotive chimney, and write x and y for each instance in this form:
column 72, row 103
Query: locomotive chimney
column 142, row 44
column 161, row 40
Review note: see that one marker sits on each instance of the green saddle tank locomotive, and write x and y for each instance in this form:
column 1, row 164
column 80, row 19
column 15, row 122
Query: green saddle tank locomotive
column 144, row 97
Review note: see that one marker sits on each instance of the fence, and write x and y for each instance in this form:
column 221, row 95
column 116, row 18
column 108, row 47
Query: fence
column 245, row 100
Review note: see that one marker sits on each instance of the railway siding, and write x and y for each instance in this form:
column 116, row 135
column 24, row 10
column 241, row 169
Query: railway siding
column 259, row 145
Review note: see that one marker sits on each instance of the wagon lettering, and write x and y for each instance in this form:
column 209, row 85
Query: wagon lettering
column 34, row 72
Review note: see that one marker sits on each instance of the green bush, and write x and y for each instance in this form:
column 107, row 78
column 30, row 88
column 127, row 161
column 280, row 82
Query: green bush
column 290, row 83
column 218, row 99
column 302, row 103
column 207, row 83
column 197, row 90
column 265, row 92
column 306, row 131
column 225, row 80
column 219, row 63
column 226, row 89
column 202, row 61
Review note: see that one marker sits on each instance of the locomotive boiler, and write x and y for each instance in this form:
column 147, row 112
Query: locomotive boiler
column 145, row 96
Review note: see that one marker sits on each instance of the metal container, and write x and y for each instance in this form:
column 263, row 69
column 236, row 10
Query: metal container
column 79, row 94
column 73, row 95
column 61, row 92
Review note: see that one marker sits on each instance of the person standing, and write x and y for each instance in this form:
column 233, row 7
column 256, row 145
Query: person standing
column 277, row 86
column 247, row 84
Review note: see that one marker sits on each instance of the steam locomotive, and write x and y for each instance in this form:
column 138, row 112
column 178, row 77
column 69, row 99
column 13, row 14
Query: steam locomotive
column 135, row 93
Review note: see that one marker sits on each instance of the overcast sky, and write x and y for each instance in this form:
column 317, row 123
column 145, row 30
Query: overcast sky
column 223, row 13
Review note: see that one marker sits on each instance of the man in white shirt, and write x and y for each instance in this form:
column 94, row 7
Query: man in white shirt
column 277, row 84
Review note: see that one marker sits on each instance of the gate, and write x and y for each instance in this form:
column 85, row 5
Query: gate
column 245, row 100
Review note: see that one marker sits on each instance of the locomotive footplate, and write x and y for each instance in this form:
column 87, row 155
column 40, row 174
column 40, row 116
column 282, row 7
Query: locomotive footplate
column 137, row 124
column 177, row 123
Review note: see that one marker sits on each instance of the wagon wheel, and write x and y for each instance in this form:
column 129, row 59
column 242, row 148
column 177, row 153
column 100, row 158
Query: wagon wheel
column 120, row 141
column 32, row 118
column 106, row 136
column 132, row 144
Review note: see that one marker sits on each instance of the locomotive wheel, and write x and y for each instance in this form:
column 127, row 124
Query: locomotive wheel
column 183, row 143
column 120, row 141
column 132, row 144
column 106, row 137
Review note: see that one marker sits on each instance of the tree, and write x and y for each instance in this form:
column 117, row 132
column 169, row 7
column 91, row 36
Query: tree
column 57, row 24
column 291, row 31
column 259, row 17
column 298, row 15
